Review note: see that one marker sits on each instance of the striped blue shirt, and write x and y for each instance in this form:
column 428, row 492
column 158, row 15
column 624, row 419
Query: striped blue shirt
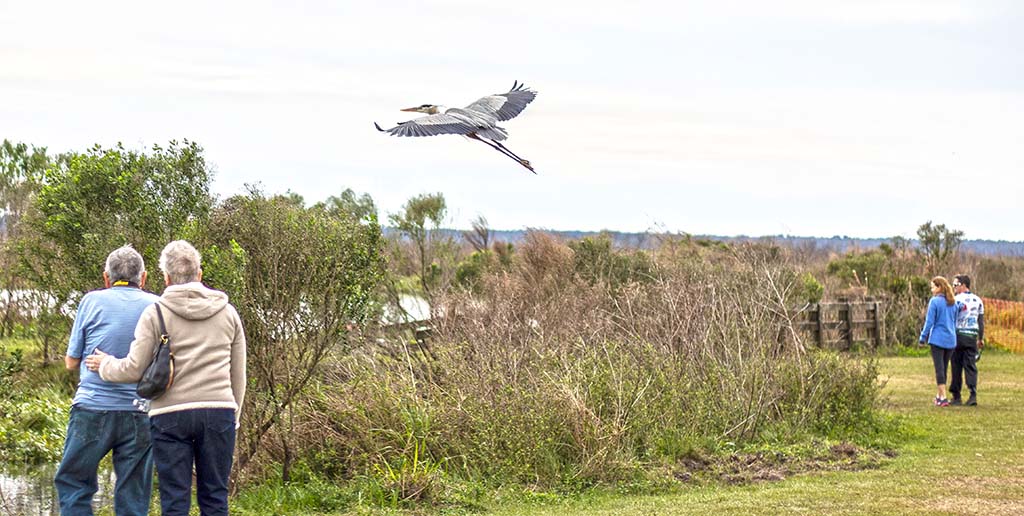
column 106, row 320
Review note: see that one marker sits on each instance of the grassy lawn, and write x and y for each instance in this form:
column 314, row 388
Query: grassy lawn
column 956, row 460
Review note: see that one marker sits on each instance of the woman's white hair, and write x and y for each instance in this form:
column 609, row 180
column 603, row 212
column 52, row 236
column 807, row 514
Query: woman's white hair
column 125, row 264
column 180, row 261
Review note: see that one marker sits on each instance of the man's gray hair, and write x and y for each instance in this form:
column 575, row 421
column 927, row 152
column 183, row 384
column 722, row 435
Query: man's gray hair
column 180, row 261
column 125, row 264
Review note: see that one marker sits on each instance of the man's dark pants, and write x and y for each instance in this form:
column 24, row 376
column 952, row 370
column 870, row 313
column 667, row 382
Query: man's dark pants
column 91, row 434
column 964, row 367
column 206, row 436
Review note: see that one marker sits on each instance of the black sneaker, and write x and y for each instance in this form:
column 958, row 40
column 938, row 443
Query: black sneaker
column 955, row 402
column 973, row 400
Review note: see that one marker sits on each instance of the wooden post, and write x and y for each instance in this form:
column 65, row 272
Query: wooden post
column 849, row 326
column 871, row 322
column 819, row 332
column 879, row 325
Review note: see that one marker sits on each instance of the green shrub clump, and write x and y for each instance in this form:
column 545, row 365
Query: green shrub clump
column 34, row 423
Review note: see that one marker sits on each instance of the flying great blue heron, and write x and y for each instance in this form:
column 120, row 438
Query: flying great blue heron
column 478, row 120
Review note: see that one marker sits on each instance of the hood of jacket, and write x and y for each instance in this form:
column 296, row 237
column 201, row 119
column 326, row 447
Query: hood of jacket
column 193, row 301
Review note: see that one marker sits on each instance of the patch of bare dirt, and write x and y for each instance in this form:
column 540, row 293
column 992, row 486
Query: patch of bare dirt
column 748, row 468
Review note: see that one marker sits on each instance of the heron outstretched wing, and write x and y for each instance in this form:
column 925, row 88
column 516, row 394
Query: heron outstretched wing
column 505, row 106
column 431, row 125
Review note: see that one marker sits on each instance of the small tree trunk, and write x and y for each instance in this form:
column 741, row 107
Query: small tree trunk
column 46, row 349
column 286, row 462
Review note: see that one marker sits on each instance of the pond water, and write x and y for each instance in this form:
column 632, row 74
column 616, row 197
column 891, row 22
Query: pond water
column 28, row 302
column 29, row 491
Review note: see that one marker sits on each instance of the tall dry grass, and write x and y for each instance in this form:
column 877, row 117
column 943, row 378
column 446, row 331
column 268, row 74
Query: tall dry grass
column 542, row 377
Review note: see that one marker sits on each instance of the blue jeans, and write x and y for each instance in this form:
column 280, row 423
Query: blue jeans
column 91, row 434
column 205, row 437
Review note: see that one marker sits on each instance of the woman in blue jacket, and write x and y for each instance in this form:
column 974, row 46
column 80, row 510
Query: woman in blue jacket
column 940, row 333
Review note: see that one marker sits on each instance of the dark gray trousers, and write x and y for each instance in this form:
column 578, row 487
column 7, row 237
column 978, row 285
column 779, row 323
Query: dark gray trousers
column 964, row 367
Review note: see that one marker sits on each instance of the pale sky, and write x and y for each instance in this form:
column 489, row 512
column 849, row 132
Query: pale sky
column 801, row 117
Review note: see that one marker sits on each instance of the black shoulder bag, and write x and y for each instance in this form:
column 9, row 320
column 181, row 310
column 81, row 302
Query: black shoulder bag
column 159, row 374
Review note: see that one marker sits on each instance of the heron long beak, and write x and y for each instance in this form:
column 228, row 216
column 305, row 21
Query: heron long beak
column 412, row 109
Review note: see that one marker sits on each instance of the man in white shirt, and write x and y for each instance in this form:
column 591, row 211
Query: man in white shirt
column 970, row 337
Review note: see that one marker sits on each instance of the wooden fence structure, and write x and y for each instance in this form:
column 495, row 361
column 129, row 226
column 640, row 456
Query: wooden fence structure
column 845, row 325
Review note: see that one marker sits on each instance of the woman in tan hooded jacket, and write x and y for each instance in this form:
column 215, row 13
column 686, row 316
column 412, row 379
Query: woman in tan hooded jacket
column 195, row 420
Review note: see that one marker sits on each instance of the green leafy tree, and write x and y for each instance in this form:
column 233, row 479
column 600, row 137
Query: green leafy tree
column 349, row 204
column 21, row 170
column 419, row 222
column 104, row 198
column 595, row 260
column 938, row 244
column 903, row 257
column 302, row 281
column 811, row 289
column 93, row 202
column 862, row 268
column 470, row 271
column 292, row 198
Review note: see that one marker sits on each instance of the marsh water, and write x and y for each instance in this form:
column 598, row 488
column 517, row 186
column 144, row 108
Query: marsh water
column 29, row 491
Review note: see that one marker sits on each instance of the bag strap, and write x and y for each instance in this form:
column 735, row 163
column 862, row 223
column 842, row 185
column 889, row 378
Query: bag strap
column 164, row 338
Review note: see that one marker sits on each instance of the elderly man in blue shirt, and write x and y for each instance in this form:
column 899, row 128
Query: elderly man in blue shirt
column 107, row 416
